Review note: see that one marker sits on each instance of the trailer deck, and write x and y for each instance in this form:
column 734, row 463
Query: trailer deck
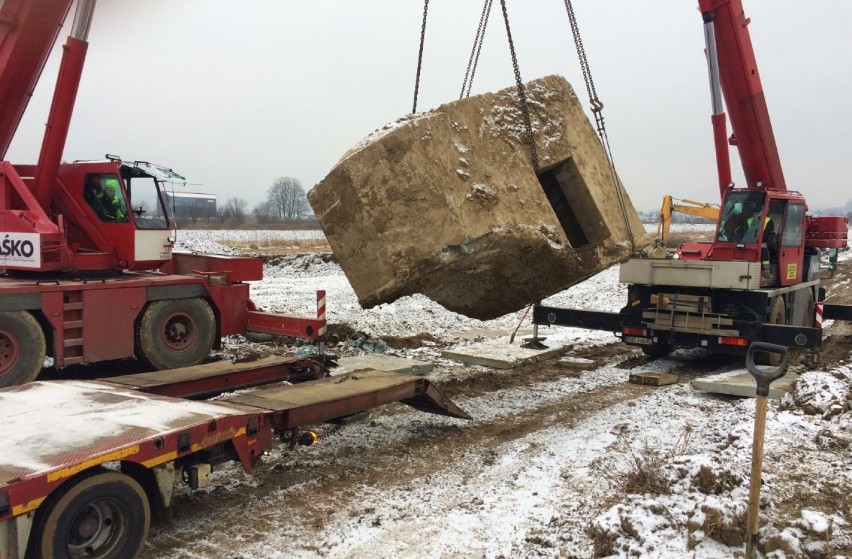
column 55, row 430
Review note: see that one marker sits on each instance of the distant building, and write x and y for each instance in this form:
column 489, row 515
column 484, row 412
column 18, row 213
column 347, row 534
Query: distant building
column 196, row 205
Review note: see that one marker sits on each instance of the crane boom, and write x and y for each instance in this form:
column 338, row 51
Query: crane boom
column 62, row 107
column 728, row 37
column 28, row 31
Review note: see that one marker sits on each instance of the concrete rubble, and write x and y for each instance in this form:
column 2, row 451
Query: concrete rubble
column 447, row 204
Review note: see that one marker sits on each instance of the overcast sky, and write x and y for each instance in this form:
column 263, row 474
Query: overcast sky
column 233, row 94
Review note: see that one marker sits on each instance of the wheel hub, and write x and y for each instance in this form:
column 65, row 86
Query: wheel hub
column 88, row 527
column 10, row 352
column 89, row 530
column 179, row 332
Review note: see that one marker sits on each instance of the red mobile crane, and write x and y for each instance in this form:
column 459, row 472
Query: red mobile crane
column 85, row 464
column 758, row 280
column 84, row 282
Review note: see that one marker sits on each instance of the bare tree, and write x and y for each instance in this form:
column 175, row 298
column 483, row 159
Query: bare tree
column 287, row 198
column 235, row 209
column 264, row 212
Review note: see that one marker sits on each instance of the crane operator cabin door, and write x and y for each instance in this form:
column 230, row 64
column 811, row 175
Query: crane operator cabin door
column 154, row 234
column 791, row 245
column 106, row 198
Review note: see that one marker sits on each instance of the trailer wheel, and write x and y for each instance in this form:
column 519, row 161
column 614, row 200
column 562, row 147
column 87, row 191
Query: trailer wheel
column 101, row 515
column 22, row 348
column 176, row 333
column 777, row 315
column 657, row 350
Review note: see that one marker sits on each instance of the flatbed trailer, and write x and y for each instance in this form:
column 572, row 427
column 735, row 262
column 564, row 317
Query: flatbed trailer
column 85, row 464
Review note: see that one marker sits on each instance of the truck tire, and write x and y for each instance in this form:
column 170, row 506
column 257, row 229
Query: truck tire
column 777, row 315
column 808, row 309
column 101, row 514
column 176, row 333
column 22, row 348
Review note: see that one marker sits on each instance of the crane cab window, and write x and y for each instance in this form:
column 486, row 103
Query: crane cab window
column 794, row 226
column 740, row 218
column 146, row 204
column 104, row 196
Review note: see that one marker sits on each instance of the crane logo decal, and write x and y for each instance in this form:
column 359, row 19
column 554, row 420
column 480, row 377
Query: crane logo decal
column 20, row 249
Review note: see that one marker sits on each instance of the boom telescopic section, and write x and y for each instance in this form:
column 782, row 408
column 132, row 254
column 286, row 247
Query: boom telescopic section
column 726, row 32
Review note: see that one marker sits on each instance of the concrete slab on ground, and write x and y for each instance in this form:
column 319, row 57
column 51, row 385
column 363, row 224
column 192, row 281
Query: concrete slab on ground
column 744, row 385
column 383, row 363
column 577, row 363
column 652, row 378
column 476, row 333
column 500, row 354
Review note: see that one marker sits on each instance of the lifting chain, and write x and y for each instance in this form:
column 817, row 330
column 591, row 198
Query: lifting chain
column 597, row 110
column 522, row 94
column 477, row 47
column 597, row 106
column 420, row 55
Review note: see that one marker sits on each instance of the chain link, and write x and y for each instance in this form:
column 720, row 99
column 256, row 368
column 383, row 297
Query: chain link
column 420, row 56
column 584, row 62
column 477, row 47
column 597, row 110
column 522, row 94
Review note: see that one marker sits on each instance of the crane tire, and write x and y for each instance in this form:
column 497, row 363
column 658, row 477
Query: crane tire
column 175, row 333
column 777, row 315
column 22, row 348
column 101, row 514
column 809, row 309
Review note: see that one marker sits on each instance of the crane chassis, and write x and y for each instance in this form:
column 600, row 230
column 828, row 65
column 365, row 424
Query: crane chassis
column 758, row 279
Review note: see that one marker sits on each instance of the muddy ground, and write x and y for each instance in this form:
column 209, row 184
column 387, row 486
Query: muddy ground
column 397, row 484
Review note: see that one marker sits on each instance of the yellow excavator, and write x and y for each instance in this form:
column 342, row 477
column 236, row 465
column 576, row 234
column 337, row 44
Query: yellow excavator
column 684, row 206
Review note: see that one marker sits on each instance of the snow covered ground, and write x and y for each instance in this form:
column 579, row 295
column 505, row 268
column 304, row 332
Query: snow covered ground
column 652, row 473
column 290, row 284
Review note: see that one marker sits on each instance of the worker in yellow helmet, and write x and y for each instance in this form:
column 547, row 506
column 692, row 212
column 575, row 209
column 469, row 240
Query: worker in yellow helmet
column 103, row 194
column 113, row 201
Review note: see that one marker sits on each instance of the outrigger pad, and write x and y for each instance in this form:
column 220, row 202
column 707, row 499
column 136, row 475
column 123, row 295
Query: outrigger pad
column 448, row 204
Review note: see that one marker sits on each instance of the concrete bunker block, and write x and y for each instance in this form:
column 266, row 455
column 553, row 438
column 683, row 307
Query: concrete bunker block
column 447, row 204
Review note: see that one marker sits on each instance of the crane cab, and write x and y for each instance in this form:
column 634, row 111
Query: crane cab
column 763, row 226
column 120, row 210
column 104, row 217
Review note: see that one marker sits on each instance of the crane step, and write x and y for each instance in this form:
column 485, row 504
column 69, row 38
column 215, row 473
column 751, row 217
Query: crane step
column 73, row 360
